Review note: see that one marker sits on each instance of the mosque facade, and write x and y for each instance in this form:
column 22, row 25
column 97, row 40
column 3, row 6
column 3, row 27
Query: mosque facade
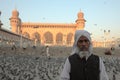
column 47, row 33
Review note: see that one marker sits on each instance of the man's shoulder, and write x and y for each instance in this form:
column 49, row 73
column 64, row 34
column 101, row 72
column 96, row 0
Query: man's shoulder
column 95, row 55
column 73, row 56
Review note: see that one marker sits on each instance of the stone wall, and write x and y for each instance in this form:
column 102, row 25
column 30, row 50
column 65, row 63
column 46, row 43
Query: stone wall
column 31, row 67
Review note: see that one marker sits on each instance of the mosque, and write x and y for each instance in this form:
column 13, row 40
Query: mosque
column 47, row 33
column 51, row 34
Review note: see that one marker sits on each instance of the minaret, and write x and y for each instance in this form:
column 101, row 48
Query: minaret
column 15, row 22
column 80, row 22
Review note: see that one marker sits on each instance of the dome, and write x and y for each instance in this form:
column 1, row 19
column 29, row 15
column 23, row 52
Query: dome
column 80, row 14
column 15, row 13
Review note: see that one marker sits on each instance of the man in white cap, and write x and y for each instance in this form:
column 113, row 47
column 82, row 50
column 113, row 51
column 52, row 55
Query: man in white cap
column 82, row 64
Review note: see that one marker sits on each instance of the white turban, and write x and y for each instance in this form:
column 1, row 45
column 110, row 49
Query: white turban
column 78, row 34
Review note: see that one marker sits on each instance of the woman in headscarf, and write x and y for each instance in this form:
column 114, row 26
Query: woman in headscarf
column 82, row 64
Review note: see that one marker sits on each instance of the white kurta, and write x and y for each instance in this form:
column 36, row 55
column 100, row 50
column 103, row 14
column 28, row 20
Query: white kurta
column 66, row 70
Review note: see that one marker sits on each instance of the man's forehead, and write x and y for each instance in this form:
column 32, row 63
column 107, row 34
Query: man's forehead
column 83, row 37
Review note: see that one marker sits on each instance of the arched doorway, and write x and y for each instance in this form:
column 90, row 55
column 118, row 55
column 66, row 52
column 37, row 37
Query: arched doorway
column 37, row 39
column 48, row 38
column 59, row 39
column 69, row 38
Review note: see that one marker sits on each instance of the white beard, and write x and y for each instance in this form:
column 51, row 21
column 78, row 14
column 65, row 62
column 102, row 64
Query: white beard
column 83, row 54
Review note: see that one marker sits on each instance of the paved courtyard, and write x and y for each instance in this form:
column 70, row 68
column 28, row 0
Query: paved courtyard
column 33, row 63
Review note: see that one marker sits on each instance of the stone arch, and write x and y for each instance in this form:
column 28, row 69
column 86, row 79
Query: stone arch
column 26, row 34
column 69, row 38
column 36, row 36
column 59, row 38
column 48, row 38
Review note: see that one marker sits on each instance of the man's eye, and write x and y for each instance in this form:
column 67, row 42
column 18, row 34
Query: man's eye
column 85, row 40
column 81, row 41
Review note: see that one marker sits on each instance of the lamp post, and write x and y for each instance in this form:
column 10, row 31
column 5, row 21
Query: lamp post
column 106, row 33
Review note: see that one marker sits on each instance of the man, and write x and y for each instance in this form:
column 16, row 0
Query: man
column 47, row 51
column 83, row 64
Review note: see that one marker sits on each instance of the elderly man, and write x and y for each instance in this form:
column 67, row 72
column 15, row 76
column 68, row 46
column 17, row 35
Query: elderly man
column 83, row 64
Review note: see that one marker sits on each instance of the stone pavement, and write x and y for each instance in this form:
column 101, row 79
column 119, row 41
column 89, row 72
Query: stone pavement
column 33, row 64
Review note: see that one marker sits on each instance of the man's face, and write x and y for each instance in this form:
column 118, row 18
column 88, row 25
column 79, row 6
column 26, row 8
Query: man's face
column 83, row 43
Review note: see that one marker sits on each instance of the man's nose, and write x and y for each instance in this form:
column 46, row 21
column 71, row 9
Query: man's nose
column 83, row 43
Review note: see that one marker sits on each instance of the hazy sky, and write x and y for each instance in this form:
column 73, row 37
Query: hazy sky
column 100, row 14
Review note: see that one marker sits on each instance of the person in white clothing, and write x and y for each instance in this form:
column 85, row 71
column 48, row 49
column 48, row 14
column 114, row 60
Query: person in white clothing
column 47, row 51
column 82, row 64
